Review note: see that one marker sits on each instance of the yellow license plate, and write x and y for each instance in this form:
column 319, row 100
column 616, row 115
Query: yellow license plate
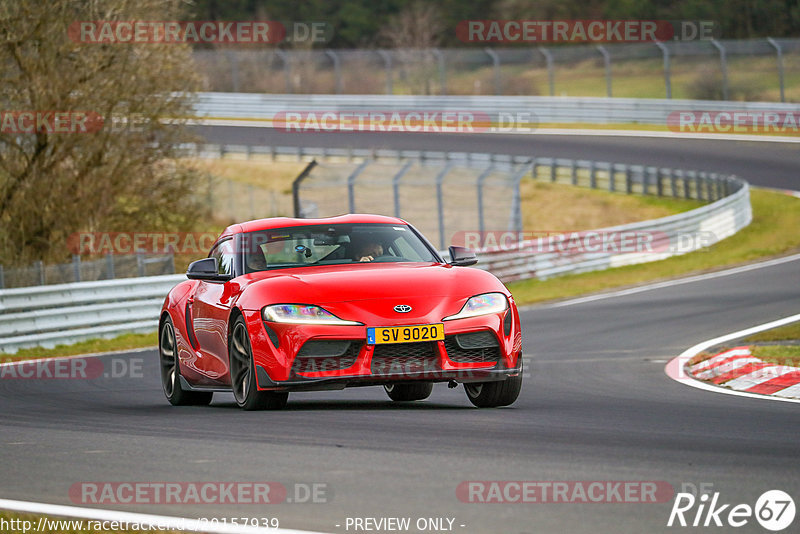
column 405, row 334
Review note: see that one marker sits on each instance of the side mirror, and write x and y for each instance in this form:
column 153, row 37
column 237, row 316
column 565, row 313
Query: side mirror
column 206, row 269
column 462, row 257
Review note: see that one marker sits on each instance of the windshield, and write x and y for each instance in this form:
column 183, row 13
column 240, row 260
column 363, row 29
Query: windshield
column 333, row 244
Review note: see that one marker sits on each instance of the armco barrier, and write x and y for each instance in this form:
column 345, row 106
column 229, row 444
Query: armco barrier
column 65, row 313
column 515, row 112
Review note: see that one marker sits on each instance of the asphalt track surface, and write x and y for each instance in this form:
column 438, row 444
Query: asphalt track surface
column 596, row 406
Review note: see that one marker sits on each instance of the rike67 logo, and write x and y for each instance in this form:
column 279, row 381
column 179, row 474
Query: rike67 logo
column 774, row 510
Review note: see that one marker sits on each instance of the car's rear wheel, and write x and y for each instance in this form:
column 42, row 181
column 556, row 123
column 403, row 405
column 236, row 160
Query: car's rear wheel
column 495, row 394
column 171, row 372
column 243, row 376
column 413, row 391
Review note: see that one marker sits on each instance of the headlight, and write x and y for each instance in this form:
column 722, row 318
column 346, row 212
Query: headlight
column 301, row 314
column 482, row 305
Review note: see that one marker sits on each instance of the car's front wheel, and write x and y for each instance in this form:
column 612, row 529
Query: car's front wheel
column 409, row 392
column 171, row 371
column 243, row 376
column 495, row 394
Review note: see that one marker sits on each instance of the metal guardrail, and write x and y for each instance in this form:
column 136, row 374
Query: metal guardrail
column 47, row 316
column 512, row 111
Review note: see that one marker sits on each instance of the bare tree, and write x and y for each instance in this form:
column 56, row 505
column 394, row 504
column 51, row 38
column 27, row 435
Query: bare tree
column 114, row 177
column 413, row 33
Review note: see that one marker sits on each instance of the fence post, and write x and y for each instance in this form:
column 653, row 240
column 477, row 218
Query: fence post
column 723, row 63
column 481, row 179
column 515, row 221
column 387, row 63
column 551, row 78
column 440, row 202
column 442, row 70
column 287, row 69
column 779, row 54
column 298, row 212
column 667, row 80
column 110, row 266
column 607, row 62
column 39, row 271
column 337, row 69
column 351, row 185
column 76, row 267
column 396, row 186
column 496, row 69
column 234, row 61
column 2, row 278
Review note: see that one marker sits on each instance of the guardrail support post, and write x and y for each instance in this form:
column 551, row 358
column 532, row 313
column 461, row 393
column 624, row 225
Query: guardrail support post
column 673, row 184
column 612, row 181
column 553, row 171
column 396, row 186
column 337, row 69
column 628, row 181
column 442, row 70
column 551, row 77
column 139, row 263
column 351, row 185
column 656, row 172
column 667, row 76
column 440, row 202
column 607, row 63
column 387, row 62
column 2, row 278
column 496, row 69
column 76, row 267
column 592, row 175
column 779, row 57
column 723, row 63
column 481, row 179
column 574, row 172
column 687, row 192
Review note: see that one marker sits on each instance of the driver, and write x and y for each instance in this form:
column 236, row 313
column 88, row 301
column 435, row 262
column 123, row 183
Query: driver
column 368, row 251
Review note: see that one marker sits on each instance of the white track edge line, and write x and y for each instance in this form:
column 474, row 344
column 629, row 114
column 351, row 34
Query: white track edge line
column 666, row 283
column 171, row 522
column 692, row 351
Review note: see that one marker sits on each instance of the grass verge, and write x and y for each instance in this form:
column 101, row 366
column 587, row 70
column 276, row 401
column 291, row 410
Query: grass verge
column 91, row 346
column 778, row 354
column 773, row 232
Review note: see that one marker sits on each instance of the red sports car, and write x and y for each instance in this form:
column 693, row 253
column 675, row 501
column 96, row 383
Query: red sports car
column 284, row 305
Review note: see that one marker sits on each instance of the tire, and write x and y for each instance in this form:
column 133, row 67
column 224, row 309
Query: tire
column 409, row 392
column 171, row 372
column 495, row 394
column 243, row 377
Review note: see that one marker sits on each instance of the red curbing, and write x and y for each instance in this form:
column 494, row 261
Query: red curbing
column 738, row 369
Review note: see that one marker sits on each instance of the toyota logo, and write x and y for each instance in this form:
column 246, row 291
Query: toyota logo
column 402, row 308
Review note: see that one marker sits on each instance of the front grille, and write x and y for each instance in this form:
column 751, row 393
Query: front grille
column 474, row 347
column 326, row 355
column 405, row 358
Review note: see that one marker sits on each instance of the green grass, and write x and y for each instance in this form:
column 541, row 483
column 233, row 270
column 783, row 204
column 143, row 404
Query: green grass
column 91, row 346
column 778, row 354
column 786, row 332
column 776, row 218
